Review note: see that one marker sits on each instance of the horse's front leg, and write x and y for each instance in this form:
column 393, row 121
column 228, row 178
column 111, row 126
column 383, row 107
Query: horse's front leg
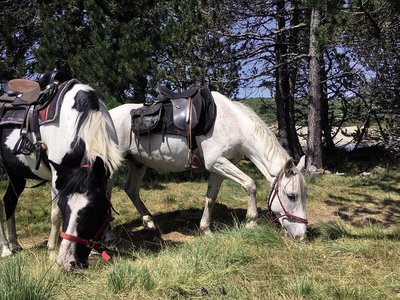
column 52, row 243
column 214, row 184
column 225, row 168
column 132, row 187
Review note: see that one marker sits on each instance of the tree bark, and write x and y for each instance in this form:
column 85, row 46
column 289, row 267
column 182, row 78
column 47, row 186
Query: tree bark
column 325, row 125
column 314, row 142
column 285, row 84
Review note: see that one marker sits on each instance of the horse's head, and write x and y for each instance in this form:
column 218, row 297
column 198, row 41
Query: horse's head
column 288, row 200
column 86, row 211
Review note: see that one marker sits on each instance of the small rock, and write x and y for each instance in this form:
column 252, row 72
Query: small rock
column 365, row 174
column 203, row 291
column 221, row 290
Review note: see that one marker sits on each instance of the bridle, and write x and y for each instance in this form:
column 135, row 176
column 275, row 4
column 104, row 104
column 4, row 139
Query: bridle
column 275, row 192
column 94, row 243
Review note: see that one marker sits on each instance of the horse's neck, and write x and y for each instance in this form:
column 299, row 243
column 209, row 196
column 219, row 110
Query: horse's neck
column 268, row 161
column 261, row 145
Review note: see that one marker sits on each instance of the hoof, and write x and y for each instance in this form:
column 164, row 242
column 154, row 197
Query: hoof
column 251, row 224
column 206, row 231
column 6, row 252
column 52, row 255
column 148, row 223
column 16, row 248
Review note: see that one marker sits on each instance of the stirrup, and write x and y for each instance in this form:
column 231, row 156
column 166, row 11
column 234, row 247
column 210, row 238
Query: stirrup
column 193, row 161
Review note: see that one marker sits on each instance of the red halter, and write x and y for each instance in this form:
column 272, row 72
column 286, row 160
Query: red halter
column 275, row 192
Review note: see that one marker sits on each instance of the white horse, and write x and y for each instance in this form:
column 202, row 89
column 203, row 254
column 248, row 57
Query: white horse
column 237, row 132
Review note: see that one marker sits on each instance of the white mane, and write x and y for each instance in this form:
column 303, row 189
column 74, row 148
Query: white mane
column 98, row 140
column 273, row 150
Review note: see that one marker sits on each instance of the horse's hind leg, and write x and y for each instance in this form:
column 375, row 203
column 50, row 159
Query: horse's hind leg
column 225, row 168
column 4, row 248
column 12, row 234
column 214, row 183
column 14, row 189
column 132, row 187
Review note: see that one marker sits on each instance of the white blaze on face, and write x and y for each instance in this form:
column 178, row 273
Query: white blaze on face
column 76, row 203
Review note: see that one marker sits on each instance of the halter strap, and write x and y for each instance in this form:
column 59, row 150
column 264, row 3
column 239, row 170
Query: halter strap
column 93, row 243
column 275, row 192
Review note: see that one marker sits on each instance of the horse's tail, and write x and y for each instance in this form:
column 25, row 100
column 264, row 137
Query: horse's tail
column 98, row 137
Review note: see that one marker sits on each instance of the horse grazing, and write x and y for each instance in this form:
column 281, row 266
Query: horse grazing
column 237, row 132
column 62, row 133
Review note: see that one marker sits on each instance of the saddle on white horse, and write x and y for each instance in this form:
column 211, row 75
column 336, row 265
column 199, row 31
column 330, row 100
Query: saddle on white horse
column 190, row 113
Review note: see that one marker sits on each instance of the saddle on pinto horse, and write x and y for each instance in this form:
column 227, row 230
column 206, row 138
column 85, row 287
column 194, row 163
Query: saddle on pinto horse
column 29, row 104
column 190, row 113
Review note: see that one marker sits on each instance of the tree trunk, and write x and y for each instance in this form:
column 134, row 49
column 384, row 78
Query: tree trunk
column 325, row 125
column 314, row 142
column 284, row 85
column 294, row 40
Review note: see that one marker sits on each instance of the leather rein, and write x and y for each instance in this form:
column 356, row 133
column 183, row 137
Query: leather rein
column 94, row 243
column 275, row 192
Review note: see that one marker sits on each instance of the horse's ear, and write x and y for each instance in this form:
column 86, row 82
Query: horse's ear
column 99, row 169
column 302, row 163
column 288, row 167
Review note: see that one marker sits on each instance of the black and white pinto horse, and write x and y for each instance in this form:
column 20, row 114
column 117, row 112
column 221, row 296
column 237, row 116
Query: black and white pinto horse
column 81, row 153
column 237, row 132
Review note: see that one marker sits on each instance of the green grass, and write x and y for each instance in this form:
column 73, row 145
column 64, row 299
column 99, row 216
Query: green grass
column 18, row 280
column 353, row 250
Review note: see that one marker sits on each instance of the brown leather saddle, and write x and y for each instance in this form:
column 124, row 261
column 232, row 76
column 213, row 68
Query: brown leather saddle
column 189, row 113
column 192, row 110
column 27, row 104
column 22, row 91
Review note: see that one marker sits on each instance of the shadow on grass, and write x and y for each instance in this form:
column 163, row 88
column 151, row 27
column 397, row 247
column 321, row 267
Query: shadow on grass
column 176, row 228
column 355, row 213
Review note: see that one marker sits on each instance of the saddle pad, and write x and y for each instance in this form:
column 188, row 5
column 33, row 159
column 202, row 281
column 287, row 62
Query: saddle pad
column 209, row 114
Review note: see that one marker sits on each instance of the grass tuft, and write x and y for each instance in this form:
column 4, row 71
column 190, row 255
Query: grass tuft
column 124, row 277
column 333, row 230
column 17, row 282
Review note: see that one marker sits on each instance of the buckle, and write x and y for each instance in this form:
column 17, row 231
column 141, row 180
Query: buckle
column 92, row 244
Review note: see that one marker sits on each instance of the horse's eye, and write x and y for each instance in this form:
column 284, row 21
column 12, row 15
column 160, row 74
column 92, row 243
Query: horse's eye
column 292, row 197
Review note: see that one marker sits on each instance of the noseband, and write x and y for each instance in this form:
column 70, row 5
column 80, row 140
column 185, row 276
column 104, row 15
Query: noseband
column 275, row 192
column 95, row 242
